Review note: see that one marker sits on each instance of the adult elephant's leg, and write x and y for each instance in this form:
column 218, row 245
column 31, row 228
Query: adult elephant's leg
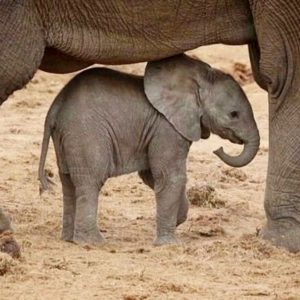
column 254, row 54
column 278, row 32
column 21, row 45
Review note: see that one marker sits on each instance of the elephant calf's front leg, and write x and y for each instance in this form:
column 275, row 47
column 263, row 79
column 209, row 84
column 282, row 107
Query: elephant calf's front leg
column 148, row 179
column 168, row 199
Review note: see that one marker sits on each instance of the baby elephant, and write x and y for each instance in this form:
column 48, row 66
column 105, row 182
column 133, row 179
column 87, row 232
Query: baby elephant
column 105, row 123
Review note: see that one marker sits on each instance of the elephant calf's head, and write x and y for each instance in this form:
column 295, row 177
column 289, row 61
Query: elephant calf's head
column 197, row 99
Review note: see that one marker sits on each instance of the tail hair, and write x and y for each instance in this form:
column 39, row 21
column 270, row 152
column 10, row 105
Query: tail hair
column 45, row 182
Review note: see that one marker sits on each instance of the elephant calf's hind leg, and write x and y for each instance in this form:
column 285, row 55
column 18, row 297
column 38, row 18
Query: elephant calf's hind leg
column 69, row 207
column 86, row 229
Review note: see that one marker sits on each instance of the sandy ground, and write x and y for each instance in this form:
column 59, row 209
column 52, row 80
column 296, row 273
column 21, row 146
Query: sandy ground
column 219, row 257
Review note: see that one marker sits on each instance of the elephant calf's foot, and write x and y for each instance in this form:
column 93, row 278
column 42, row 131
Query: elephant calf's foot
column 67, row 235
column 165, row 240
column 284, row 234
column 89, row 238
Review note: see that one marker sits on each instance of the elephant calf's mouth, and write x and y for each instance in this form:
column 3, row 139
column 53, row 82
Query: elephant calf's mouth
column 229, row 135
column 236, row 140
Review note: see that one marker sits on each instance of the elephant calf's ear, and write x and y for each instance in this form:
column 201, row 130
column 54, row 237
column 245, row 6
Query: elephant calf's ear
column 171, row 88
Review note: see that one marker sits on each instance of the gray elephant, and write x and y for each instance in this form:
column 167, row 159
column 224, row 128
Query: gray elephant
column 105, row 123
column 63, row 36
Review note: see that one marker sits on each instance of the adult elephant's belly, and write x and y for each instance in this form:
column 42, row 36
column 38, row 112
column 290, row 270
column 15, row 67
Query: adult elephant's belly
column 60, row 62
column 118, row 33
column 55, row 61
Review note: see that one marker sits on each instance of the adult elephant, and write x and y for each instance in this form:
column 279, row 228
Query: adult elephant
column 67, row 35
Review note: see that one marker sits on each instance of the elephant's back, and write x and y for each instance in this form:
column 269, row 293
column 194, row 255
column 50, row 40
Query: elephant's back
column 102, row 94
column 100, row 86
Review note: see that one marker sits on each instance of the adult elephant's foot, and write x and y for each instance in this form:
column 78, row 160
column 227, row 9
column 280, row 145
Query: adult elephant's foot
column 284, row 234
column 282, row 205
column 93, row 237
column 165, row 240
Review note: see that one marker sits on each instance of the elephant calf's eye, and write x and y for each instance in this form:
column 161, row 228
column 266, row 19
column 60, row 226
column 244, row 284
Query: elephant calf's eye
column 234, row 114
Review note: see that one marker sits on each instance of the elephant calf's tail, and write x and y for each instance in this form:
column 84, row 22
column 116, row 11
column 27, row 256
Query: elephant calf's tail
column 42, row 174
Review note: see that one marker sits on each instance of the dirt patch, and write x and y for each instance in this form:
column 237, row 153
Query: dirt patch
column 6, row 263
column 233, row 174
column 135, row 297
column 204, row 195
column 212, row 230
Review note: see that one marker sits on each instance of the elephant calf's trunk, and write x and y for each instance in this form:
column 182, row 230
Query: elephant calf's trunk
column 247, row 155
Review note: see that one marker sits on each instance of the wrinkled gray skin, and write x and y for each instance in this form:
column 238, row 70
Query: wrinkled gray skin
column 105, row 123
column 64, row 36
